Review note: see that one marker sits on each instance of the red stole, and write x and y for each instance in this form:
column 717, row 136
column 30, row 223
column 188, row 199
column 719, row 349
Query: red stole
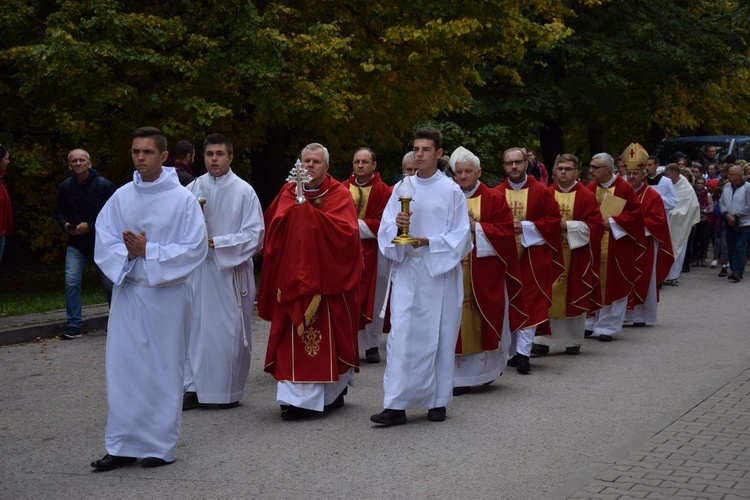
column 308, row 287
column 369, row 203
column 581, row 263
column 655, row 221
column 484, row 297
column 541, row 265
column 623, row 257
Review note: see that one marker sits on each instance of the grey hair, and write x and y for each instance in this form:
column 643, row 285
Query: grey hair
column 606, row 158
column 408, row 158
column 316, row 145
column 465, row 157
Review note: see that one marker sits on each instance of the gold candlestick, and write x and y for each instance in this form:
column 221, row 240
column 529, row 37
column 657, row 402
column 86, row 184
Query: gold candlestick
column 405, row 192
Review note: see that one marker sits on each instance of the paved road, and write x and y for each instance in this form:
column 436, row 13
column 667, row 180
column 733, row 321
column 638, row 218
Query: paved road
column 552, row 434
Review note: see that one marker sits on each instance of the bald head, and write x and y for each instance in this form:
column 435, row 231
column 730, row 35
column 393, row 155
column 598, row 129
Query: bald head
column 79, row 163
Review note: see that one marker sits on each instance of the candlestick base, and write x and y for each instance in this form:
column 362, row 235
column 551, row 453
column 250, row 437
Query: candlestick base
column 403, row 239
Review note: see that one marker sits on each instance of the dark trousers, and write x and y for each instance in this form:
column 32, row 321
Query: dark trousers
column 700, row 240
column 737, row 246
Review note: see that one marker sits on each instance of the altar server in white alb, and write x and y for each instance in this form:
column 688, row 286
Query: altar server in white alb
column 427, row 287
column 220, row 346
column 150, row 236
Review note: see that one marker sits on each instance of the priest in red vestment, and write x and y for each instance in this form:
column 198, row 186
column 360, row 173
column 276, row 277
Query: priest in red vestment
column 536, row 223
column 623, row 243
column 308, row 290
column 658, row 259
column 581, row 230
column 493, row 304
column 370, row 194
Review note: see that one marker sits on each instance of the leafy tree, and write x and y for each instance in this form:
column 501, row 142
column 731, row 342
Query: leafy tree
column 270, row 75
column 634, row 70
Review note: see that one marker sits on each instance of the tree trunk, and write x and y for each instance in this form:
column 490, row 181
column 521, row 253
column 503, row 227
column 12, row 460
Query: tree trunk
column 551, row 142
column 271, row 165
column 596, row 141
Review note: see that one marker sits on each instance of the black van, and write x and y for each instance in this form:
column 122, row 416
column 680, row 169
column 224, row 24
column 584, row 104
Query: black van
column 738, row 145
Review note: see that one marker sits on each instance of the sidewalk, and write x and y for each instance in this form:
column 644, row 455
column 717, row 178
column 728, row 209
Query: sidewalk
column 703, row 454
column 17, row 329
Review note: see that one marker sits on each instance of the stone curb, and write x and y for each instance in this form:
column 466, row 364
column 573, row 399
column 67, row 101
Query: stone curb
column 19, row 329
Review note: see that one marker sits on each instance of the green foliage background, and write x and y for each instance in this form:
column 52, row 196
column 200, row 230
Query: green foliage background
column 574, row 76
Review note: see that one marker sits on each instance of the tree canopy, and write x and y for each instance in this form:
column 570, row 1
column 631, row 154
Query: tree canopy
column 273, row 76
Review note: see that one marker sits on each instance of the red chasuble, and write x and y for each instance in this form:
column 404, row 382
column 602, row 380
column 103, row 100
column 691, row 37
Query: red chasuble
column 621, row 261
column 655, row 220
column 541, row 265
column 308, row 287
column 484, row 294
column 574, row 290
column 369, row 202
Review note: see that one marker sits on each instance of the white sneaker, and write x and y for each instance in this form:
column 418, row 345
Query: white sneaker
column 714, row 263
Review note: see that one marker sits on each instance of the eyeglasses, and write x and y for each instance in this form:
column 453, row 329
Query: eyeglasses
column 510, row 163
column 565, row 169
column 596, row 167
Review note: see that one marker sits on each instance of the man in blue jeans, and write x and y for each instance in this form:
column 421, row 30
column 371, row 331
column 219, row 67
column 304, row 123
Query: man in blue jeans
column 735, row 205
column 80, row 197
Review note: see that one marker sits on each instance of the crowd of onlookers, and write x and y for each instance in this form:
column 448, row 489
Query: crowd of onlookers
column 708, row 177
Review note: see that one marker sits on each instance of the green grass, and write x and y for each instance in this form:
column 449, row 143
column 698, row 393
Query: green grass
column 31, row 287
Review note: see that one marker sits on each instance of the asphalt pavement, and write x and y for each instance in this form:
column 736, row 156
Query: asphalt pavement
column 663, row 412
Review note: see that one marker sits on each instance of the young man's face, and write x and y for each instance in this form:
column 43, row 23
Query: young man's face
column 147, row 159
column 565, row 173
column 218, row 160
column 515, row 163
column 426, row 156
column 651, row 167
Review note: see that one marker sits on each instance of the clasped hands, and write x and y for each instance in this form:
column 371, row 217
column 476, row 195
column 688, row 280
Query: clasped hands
column 135, row 244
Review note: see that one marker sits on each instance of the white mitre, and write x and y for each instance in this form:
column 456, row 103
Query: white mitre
column 461, row 155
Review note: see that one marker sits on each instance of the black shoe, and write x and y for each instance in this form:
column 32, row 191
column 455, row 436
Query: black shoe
column 221, row 406
column 372, row 355
column 190, row 401
column 539, row 350
column 573, row 350
column 734, row 278
column 389, row 417
column 111, row 462
column 587, row 333
column 523, row 364
column 297, row 413
column 512, row 362
column 70, row 334
column 723, row 272
column 639, row 325
column 338, row 402
column 154, row 462
column 460, row 391
column 605, row 338
column 436, row 414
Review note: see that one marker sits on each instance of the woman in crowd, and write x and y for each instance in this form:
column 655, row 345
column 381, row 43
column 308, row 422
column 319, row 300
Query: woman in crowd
column 703, row 228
